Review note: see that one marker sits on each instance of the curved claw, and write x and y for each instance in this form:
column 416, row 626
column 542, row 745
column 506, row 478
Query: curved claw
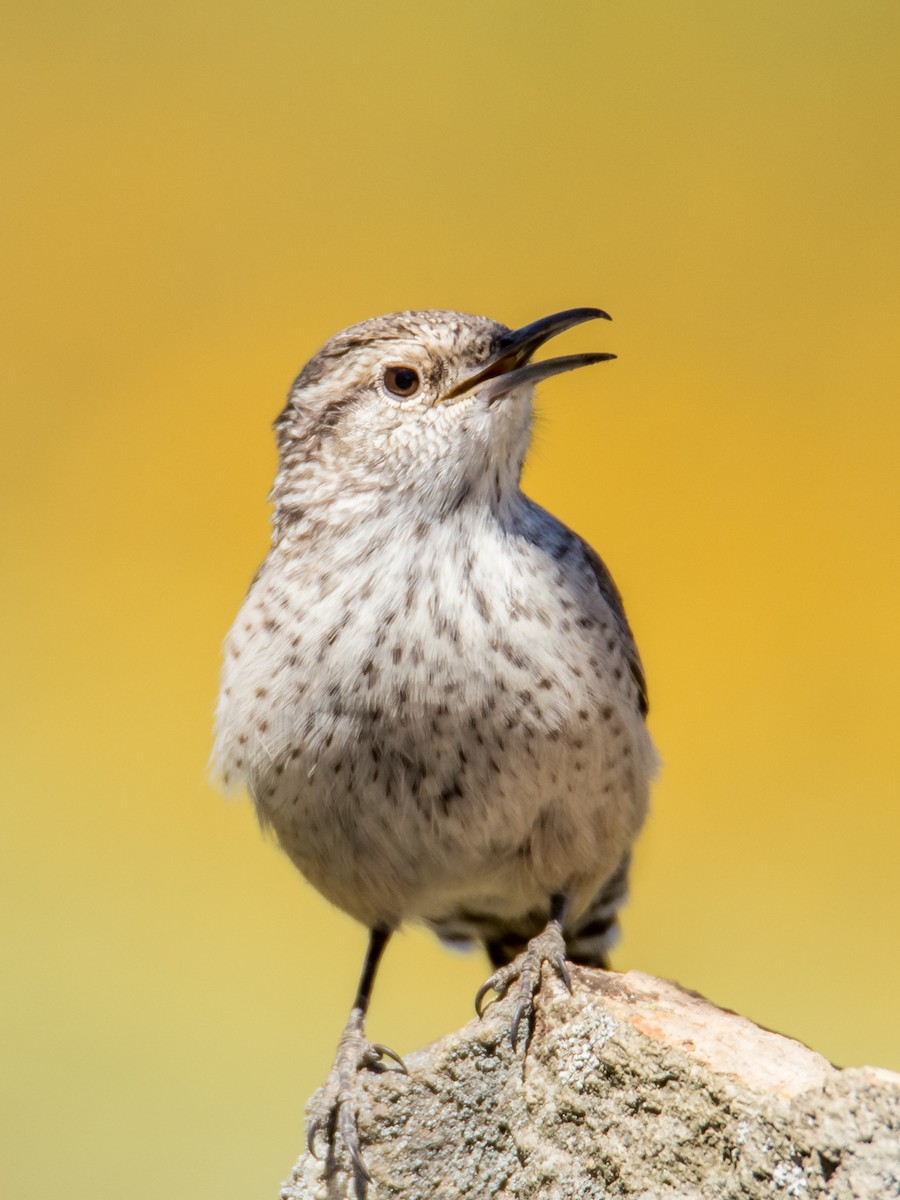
column 561, row 967
column 387, row 1052
column 499, row 986
column 480, row 995
column 311, row 1137
column 524, row 1006
column 351, row 1140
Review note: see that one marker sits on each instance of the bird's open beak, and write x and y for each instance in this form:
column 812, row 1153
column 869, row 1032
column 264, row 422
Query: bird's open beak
column 510, row 366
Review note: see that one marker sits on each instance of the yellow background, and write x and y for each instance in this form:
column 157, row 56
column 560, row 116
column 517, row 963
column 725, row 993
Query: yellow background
column 197, row 194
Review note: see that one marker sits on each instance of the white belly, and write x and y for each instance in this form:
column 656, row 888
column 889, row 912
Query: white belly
column 419, row 744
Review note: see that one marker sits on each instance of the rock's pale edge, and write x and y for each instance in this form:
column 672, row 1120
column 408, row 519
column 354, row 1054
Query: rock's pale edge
column 631, row 1087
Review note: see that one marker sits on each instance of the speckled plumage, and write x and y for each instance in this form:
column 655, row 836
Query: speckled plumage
column 431, row 690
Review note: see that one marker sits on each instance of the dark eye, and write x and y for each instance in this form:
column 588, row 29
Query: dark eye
column 402, row 381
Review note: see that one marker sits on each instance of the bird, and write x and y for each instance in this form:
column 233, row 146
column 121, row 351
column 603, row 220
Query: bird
column 432, row 691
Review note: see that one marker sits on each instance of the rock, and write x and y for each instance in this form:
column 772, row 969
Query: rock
column 631, row 1086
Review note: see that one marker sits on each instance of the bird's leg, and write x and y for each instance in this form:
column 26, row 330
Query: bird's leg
column 548, row 947
column 337, row 1105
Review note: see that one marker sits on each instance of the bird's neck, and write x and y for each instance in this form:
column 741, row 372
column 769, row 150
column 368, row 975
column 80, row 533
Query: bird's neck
column 312, row 503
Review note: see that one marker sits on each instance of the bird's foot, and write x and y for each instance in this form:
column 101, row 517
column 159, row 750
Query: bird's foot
column 336, row 1107
column 547, row 947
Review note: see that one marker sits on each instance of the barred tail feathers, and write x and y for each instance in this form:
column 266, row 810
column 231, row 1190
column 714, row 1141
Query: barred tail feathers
column 588, row 940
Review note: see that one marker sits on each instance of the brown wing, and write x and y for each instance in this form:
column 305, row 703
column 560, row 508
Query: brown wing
column 611, row 595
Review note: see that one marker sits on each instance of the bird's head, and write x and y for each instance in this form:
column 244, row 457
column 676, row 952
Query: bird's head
column 432, row 404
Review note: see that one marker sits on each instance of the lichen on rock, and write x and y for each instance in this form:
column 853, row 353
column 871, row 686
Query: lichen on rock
column 630, row 1087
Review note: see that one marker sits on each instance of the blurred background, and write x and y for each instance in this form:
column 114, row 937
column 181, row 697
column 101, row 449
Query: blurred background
column 196, row 196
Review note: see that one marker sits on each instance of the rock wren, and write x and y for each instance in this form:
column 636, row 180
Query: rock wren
column 431, row 690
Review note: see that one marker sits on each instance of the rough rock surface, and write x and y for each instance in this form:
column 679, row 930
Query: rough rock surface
column 631, row 1086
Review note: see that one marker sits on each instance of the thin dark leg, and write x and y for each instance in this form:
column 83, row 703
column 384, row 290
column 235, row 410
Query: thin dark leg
column 338, row 1109
column 559, row 908
column 378, row 939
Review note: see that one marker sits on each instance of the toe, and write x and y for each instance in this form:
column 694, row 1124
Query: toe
column 498, row 983
column 350, row 1136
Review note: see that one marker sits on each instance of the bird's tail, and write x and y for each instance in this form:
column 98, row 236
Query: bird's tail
column 589, row 939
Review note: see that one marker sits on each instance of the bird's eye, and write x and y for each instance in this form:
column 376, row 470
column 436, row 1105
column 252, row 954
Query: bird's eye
column 402, row 381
